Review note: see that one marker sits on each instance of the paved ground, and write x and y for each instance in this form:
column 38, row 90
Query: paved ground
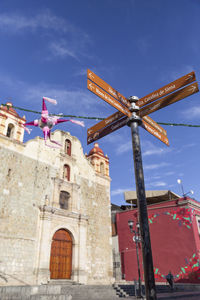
column 186, row 295
column 173, row 296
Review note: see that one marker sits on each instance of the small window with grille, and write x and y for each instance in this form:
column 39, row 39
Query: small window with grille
column 10, row 130
column 102, row 168
column 68, row 147
column 66, row 172
column 64, row 200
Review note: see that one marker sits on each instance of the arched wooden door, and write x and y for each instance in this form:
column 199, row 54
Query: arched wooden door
column 61, row 255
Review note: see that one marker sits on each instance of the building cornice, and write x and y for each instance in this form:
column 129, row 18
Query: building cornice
column 49, row 210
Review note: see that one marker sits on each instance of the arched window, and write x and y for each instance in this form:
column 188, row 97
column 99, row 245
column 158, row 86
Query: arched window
column 64, row 200
column 66, row 172
column 102, row 168
column 10, row 130
column 68, row 147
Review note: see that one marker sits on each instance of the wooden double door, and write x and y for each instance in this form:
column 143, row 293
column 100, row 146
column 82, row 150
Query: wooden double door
column 61, row 255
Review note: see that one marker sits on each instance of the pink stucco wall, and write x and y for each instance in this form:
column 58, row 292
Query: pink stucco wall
column 174, row 239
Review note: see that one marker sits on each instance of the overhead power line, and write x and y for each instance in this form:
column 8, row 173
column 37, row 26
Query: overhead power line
column 59, row 115
column 94, row 118
column 178, row 124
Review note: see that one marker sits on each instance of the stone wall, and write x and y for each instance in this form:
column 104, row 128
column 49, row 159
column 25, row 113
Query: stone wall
column 99, row 247
column 31, row 178
column 23, row 185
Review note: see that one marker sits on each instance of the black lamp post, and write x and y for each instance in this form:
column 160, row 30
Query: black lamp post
column 136, row 239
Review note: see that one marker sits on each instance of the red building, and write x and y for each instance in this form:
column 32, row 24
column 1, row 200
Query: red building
column 175, row 238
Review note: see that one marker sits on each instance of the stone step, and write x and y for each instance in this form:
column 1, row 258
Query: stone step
column 50, row 297
column 64, row 297
column 60, row 297
column 62, row 281
column 129, row 289
column 60, row 292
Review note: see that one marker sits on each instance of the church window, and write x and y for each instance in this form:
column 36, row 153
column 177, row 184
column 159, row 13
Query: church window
column 10, row 130
column 102, row 168
column 66, row 172
column 64, row 200
column 68, row 147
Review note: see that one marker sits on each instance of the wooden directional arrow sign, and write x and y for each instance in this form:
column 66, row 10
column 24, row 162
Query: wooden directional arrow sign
column 117, row 121
column 167, row 89
column 106, row 130
column 154, row 125
column 102, row 89
column 104, row 123
column 172, row 98
column 106, row 97
column 162, row 137
column 106, row 87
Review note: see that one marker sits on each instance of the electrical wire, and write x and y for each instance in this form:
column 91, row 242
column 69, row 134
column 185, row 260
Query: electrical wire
column 94, row 118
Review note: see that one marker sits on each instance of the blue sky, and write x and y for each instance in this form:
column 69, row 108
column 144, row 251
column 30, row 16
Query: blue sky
column 135, row 46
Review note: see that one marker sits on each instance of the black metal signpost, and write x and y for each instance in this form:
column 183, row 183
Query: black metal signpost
column 133, row 122
column 148, row 104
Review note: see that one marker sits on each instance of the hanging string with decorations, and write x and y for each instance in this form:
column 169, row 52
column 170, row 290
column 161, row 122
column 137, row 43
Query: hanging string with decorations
column 94, row 118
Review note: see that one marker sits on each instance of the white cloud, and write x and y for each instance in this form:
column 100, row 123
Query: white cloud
column 75, row 45
column 150, row 149
column 81, row 72
column 172, row 75
column 186, row 146
column 152, row 178
column 169, row 173
column 180, row 174
column 192, row 113
column 68, row 100
column 123, row 147
column 60, row 49
column 155, row 166
column 62, row 38
column 14, row 23
column 115, row 137
column 154, row 151
column 157, row 184
column 189, row 145
column 144, row 44
column 119, row 191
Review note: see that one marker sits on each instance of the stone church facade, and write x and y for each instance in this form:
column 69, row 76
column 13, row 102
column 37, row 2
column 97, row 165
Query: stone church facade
column 55, row 219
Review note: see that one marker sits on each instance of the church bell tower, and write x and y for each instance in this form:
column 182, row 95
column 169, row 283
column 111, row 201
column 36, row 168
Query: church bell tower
column 11, row 124
column 99, row 161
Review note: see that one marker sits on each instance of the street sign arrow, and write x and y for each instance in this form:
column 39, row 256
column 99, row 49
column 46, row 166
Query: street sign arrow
column 106, row 97
column 104, row 123
column 167, row 89
column 117, row 121
column 106, row 130
column 172, row 98
column 91, row 87
column 90, row 75
column 99, row 87
column 154, row 124
column 162, row 137
column 193, row 88
column 106, row 87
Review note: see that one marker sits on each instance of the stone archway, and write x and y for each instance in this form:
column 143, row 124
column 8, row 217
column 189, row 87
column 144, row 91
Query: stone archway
column 61, row 255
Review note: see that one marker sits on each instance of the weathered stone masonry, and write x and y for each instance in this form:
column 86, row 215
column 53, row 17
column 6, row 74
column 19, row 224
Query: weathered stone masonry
column 31, row 181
